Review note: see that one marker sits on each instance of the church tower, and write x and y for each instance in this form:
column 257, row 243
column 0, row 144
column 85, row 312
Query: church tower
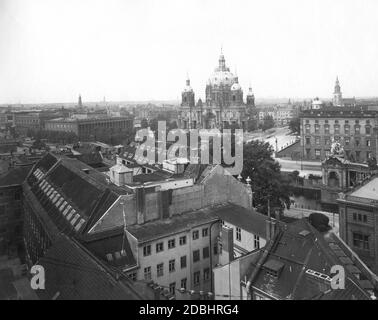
column 79, row 104
column 337, row 95
column 250, row 98
column 187, row 95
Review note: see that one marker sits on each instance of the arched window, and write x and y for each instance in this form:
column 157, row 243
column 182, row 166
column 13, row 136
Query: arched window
column 233, row 98
column 333, row 179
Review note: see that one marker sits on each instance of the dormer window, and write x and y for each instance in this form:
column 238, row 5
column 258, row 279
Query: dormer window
column 273, row 267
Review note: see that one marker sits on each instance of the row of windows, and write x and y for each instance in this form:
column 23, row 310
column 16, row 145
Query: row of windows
column 357, row 121
column 347, row 141
column 359, row 217
column 172, row 263
column 356, row 154
column 336, row 129
column 159, row 247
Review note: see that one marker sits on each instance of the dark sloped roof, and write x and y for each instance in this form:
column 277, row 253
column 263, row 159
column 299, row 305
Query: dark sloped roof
column 178, row 223
column 72, row 273
column 248, row 220
column 300, row 253
column 15, row 176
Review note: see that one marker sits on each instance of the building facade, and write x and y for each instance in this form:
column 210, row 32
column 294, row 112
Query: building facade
column 358, row 211
column 356, row 130
column 89, row 128
column 223, row 106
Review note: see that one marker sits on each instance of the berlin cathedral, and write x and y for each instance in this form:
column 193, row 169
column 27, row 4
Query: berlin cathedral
column 224, row 106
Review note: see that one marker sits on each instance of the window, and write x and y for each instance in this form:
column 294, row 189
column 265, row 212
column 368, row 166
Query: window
column 205, row 232
column 317, row 153
column 257, row 242
column 347, row 141
column 317, row 129
column 195, row 235
column 365, row 218
column 183, row 283
column 326, row 128
column 361, row 241
column 357, row 142
column 368, row 154
column 17, row 196
column 354, row 216
column 308, row 140
column 132, row 276
column 171, row 265
column 196, row 255
column 206, row 274
column 317, row 140
column 357, row 129
column 205, row 252
column 347, row 129
column 308, row 129
column 147, row 273
column 160, row 269
column 147, row 250
column 182, row 240
column 238, row 234
column 368, row 129
column 183, row 262
column 358, row 155
column 159, row 247
column 327, row 140
column 368, row 142
column 172, row 288
column 171, row 243
column 196, row 278
column 337, row 129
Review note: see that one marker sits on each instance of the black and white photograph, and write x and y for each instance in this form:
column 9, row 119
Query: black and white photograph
column 189, row 155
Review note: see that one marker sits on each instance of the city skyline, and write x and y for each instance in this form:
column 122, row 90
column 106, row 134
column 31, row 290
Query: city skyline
column 52, row 51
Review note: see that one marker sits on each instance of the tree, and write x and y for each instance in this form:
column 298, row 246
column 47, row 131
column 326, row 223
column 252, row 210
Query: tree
column 319, row 221
column 294, row 126
column 268, row 185
column 144, row 123
column 268, row 123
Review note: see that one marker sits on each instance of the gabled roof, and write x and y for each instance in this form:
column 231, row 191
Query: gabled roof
column 248, row 220
column 73, row 273
column 307, row 259
column 15, row 176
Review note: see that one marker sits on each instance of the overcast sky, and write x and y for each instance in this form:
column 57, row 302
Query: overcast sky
column 52, row 50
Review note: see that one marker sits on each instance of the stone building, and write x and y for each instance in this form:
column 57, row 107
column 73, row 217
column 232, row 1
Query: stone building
column 89, row 128
column 223, row 106
column 356, row 130
column 358, row 211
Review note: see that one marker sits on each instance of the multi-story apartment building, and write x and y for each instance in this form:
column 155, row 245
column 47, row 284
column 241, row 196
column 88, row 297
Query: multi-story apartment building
column 358, row 211
column 281, row 114
column 159, row 226
column 90, row 127
column 356, row 130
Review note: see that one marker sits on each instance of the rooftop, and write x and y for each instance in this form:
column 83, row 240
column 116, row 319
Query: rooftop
column 243, row 218
column 304, row 258
column 368, row 190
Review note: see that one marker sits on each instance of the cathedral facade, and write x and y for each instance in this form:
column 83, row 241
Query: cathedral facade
column 224, row 105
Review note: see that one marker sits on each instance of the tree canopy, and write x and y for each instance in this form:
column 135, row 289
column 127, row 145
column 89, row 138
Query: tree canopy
column 267, row 182
column 294, row 126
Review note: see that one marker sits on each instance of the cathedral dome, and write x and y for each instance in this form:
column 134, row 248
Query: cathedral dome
column 235, row 87
column 223, row 77
column 222, row 74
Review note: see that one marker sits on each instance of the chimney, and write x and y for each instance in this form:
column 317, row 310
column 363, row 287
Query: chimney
column 228, row 244
column 121, row 175
column 270, row 228
column 140, row 198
